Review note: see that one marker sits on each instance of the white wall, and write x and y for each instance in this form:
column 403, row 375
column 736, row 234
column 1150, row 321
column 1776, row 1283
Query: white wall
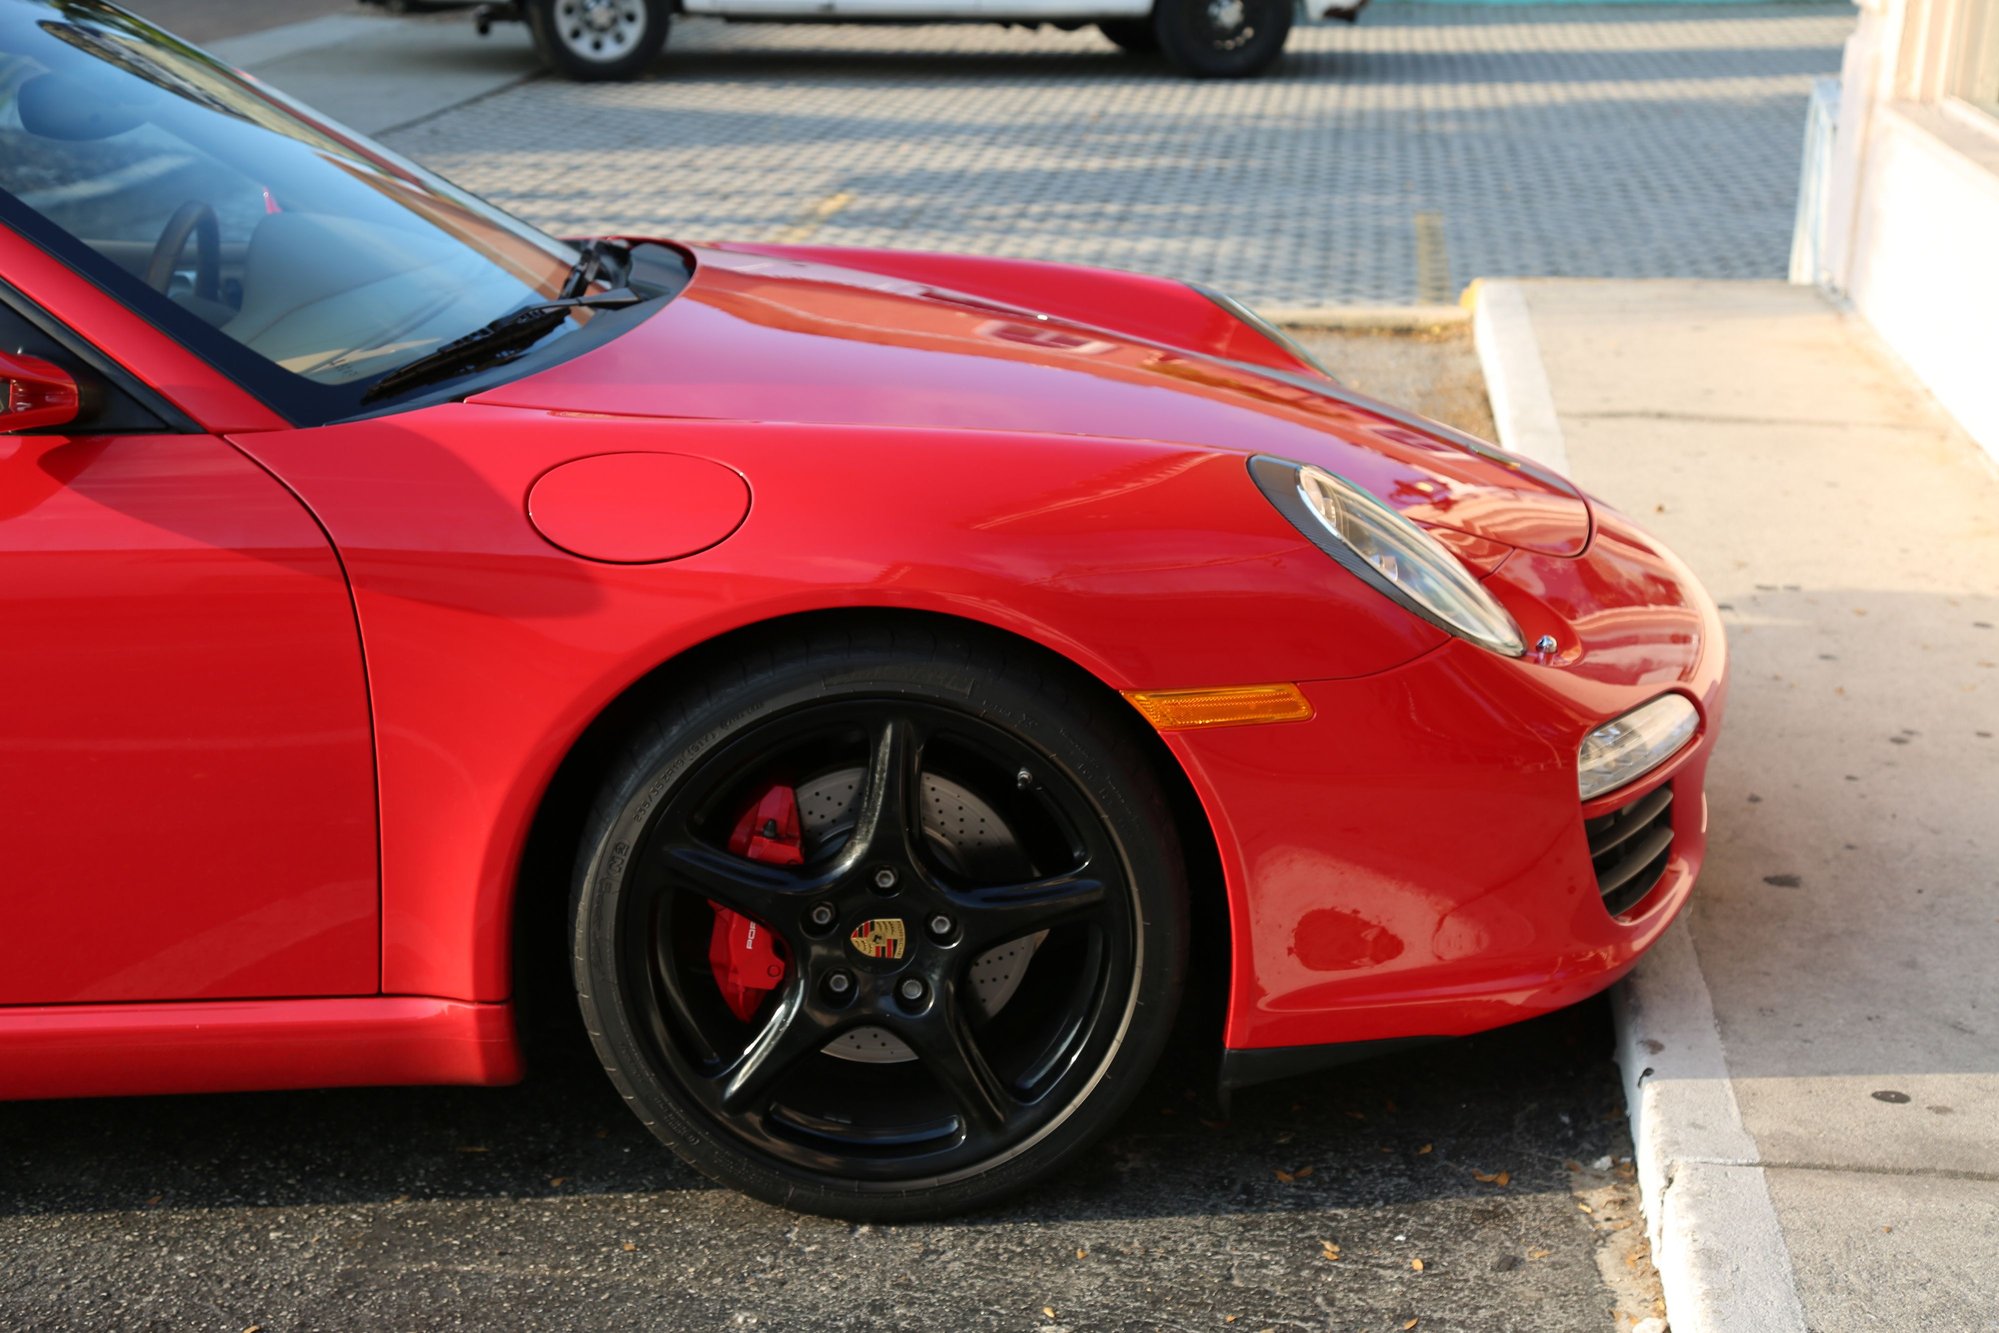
column 1923, row 262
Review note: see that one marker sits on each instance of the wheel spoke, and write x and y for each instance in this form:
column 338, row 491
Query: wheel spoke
column 791, row 1034
column 996, row 914
column 949, row 1049
column 666, row 976
column 890, row 813
column 754, row 888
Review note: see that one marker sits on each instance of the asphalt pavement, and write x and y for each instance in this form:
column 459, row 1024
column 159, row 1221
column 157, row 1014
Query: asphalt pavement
column 1452, row 1186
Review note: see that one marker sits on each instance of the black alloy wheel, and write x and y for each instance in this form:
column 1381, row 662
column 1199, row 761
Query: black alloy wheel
column 981, row 940
column 1222, row 39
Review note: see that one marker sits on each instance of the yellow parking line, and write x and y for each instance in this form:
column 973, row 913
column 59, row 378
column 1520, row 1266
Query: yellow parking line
column 1433, row 262
column 817, row 215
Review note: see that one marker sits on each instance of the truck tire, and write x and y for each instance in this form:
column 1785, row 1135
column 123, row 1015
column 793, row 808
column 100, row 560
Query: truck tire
column 1222, row 39
column 596, row 40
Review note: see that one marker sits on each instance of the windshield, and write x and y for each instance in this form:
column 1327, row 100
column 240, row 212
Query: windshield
column 330, row 261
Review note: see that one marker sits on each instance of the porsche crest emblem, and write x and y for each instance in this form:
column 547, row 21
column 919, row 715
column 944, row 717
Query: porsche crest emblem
column 881, row 937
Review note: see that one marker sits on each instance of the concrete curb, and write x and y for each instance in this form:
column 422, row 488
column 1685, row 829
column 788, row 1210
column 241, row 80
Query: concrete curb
column 1716, row 1242
column 1523, row 406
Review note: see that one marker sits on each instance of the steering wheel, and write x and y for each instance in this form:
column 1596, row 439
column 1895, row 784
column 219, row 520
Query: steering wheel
column 198, row 220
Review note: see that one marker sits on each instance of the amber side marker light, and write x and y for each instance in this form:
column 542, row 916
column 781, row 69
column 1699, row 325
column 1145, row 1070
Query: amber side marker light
column 1241, row 706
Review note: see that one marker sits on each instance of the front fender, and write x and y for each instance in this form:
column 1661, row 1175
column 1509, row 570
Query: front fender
column 490, row 650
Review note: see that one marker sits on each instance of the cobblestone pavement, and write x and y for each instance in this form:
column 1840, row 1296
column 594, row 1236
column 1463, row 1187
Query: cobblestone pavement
column 1389, row 162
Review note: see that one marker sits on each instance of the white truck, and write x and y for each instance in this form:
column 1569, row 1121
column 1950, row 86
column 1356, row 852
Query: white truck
column 1206, row 39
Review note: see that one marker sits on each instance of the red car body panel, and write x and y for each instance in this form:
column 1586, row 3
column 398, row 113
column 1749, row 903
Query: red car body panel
column 188, row 770
column 490, row 651
column 948, row 452
column 1136, row 304
column 787, row 342
column 1399, row 881
column 88, row 1050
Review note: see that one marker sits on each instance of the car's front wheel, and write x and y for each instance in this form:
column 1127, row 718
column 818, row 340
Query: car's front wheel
column 1222, row 39
column 881, row 929
column 598, row 39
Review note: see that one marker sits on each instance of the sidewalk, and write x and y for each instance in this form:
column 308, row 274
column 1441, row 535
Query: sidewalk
column 1814, row 1055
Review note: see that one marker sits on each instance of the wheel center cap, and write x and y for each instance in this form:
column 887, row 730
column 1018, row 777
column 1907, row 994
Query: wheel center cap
column 881, row 937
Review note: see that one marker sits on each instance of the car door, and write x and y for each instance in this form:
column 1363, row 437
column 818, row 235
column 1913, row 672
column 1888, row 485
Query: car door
column 187, row 793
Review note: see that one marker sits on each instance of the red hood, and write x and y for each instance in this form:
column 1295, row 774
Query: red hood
column 755, row 338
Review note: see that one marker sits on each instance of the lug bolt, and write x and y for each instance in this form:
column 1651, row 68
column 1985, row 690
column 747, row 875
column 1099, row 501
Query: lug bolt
column 884, row 878
column 822, row 915
column 940, row 925
column 839, row 983
column 911, row 989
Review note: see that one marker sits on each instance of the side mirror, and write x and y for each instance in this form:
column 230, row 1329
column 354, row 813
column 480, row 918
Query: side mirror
column 34, row 394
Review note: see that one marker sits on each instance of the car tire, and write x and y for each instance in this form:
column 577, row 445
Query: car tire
column 1135, row 36
column 599, row 40
column 1222, row 39
column 1038, row 812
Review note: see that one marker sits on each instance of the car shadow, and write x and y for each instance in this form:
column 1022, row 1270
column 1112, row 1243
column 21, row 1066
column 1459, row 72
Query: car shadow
column 1412, row 1126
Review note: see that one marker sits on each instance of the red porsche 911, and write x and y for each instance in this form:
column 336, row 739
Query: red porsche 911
column 899, row 674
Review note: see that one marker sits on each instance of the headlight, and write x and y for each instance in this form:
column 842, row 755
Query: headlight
column 1387, row 551
column 1264, row 327
column 1627, row 748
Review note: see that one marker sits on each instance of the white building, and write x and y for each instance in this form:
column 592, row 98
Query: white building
column 1907, row 223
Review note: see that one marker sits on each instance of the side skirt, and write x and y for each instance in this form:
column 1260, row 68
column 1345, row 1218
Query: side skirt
column 119, row 1050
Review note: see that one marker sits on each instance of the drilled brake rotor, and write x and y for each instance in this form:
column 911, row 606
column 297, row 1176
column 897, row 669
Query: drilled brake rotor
column 965, row 833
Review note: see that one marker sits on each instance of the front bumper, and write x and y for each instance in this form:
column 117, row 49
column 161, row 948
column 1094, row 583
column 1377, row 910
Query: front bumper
column 1413, row 862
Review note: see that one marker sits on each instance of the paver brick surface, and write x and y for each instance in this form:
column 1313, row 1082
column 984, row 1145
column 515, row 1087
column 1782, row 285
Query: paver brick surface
column 1388, row 162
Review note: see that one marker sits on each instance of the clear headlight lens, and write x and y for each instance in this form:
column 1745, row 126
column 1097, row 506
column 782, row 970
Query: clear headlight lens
column 1627, row 748
column 1388, row 551
column 1264, row 327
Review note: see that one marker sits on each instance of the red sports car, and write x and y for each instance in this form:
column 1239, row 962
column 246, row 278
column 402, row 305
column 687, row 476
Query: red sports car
column 883, row 680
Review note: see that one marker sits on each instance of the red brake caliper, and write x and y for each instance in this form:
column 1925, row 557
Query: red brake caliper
column 748, row 958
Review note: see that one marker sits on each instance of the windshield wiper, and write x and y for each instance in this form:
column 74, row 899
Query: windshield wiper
column 502, row 339
column 591, row 255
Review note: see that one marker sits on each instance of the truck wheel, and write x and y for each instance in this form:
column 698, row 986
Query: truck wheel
column 1134, row 35
column 594, row 40
column 1222, row 39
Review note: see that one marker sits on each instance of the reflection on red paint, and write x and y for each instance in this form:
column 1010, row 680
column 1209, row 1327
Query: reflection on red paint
column 1332, row 939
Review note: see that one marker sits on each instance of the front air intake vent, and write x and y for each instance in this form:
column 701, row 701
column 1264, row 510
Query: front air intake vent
column 1630, row 847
